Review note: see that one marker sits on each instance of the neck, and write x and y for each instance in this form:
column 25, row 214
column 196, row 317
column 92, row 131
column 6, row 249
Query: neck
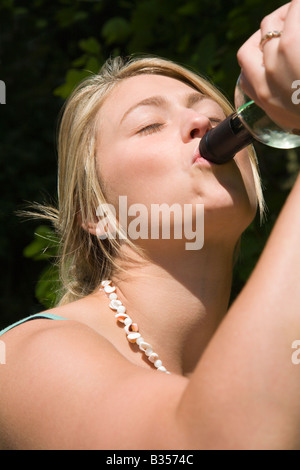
column 178, row 301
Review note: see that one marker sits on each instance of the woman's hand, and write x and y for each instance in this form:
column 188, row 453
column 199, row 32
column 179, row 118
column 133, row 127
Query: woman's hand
column 271, row 74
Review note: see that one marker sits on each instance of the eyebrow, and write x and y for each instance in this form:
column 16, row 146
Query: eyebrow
column 159, row 101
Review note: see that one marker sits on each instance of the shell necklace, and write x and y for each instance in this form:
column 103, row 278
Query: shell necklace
column 131, row 329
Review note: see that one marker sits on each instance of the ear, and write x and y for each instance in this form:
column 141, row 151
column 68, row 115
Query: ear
column 90, row 228
column 103, row 226
column 101, row 229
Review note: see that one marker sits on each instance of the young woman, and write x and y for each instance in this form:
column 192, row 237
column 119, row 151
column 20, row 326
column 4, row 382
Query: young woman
column 152, row 358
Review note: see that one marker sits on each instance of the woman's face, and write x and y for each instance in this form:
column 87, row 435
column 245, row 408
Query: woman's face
column 149, row 130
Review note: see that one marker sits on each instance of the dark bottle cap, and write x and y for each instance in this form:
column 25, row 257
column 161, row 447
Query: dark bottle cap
column 220, row 144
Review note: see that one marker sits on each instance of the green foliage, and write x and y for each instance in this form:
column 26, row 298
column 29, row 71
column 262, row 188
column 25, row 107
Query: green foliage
column 46, row 49
column 116, row 30
column 45, row 247
column 47, row 288
column 85, row 65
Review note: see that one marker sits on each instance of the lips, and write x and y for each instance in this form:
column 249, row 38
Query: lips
column 196, row 155
column 199, row 160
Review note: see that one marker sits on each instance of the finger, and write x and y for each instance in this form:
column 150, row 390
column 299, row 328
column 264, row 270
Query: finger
column 275, row 21
column 250, row 59
column 287, row 20
column 246, row 50
column 270, row 55
column 292, row 19
column 271, row 23
column 250, row 56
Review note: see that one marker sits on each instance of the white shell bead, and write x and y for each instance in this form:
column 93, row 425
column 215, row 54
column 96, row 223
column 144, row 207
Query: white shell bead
column 132, row 328
column 113, row 296
column 148, row 352
column 114, row 304
column 132, row 337
column 105, row 283
column 158, row 363
column 128, row 321
column 109, row 289
column 153, row 357
column 140, row 340
column 121, row 317
column 144, row 346
column 121, row 309
column 162, row 369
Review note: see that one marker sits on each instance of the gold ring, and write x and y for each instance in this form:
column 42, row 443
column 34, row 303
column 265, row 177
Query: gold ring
column 267, row 37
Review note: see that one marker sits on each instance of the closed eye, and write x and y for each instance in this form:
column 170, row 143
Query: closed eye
column 215, row 121
column 151, row 128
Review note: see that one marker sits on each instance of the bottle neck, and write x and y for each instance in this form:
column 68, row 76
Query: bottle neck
column 220, row 144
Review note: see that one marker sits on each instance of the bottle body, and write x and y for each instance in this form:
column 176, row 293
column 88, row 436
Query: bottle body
column 261, row 126
column 247, row 124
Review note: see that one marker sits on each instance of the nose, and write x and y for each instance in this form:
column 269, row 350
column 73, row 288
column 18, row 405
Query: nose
column 194, row 125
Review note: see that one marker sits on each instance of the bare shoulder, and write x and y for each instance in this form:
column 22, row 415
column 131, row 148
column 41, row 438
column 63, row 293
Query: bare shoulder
column 64, row 386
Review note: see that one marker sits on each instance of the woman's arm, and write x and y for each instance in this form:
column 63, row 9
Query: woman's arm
column 245, row 392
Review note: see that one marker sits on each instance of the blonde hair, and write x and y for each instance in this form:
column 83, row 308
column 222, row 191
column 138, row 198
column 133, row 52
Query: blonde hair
column 85, row 259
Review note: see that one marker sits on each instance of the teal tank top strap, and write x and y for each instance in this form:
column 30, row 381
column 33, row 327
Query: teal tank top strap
column 46, row 316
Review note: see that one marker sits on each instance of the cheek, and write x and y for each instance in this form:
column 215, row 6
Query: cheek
column 135, row 171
